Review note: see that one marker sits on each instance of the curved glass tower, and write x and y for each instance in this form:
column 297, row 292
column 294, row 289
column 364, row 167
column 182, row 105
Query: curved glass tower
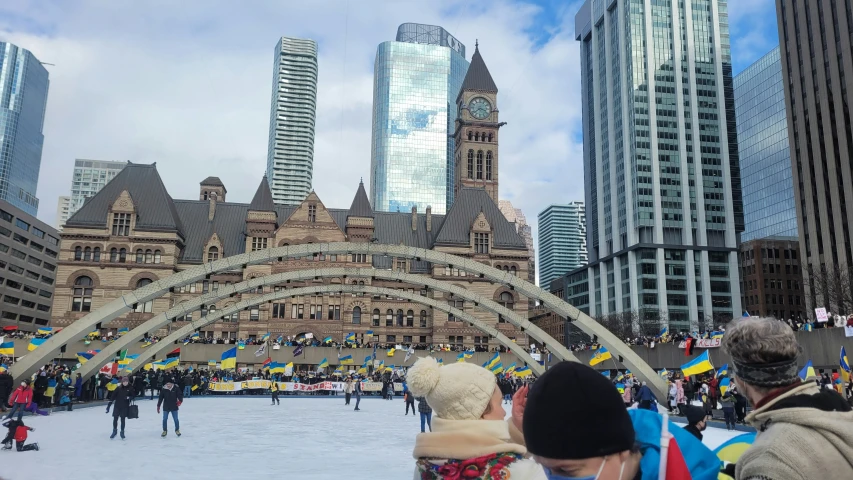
column 290, row 153
column 415, row 83
column 23, row 100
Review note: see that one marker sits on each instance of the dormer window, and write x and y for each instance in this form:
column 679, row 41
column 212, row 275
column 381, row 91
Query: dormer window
column 481, row 243
column 121, row 224
column 312, row 213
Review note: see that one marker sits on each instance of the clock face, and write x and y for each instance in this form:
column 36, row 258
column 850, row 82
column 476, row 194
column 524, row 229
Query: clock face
column 480, row 108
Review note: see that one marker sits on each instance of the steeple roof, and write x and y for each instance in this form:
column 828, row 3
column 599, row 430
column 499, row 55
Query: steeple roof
column 262, row 201
column 360, row 204
column 478, row 76
column 213, row 182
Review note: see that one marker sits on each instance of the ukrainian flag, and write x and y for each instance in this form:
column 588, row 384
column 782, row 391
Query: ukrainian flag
column 241, row 345
column 664, row 332
column 381, row 367
column 523, row 372
column 171, row 363
column 468, row 354
column 122, row 331
column 211, row 363
column 496, row 359
column 361, row 371
column 510, row 368
column 620, row 387
column 35, row 343
column 723, row 371
column 845, row 364
column 113, row 384
column 146, row 344
column 327, row 339
column 600, row 355
column 83, row 357
column 346, row 360
column 807, row 327
column 724, row 385
column 229, row 359
column 44, row 330
column 606, row 373
column 94, row 333
column 265, row 337
column 350, row 338
column 391, row 351
column 7, row 348
column 497, row 368
column 148, row 366
column 700, row 364
column 717, row 334
column 4, row 368
column 460, row 358
column 440, row 362
column 276, row 367
column 51, row 388
column 369, row 332
column 194, row 336
column 389, row 368
column 323, row 363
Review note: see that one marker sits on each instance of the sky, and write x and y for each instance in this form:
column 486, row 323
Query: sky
column 187, row 85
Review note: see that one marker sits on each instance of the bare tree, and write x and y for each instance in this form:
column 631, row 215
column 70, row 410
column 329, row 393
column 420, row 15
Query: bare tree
column 831, row 287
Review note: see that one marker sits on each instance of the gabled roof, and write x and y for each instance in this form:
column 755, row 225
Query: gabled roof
column 155, row 208
column 262, row 201
column 360, row 204
column 478, row 76
column 213, row 182
column 456, row 229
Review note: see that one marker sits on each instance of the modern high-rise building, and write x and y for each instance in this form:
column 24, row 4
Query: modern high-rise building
column 517, row 217
column 661, row 170
column 89, row 178
column 765, row 159
column 562, row 241
column 23, row 101
column 290, row 152
column 817, row 68
column 416, row 80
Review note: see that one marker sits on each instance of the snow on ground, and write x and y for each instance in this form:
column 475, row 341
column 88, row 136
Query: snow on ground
column 303, row 438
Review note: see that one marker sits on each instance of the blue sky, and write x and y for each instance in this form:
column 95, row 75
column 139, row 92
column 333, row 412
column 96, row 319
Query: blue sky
column 187, row 85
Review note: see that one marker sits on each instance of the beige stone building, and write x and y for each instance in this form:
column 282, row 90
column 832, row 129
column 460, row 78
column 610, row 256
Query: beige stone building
column 132, row 233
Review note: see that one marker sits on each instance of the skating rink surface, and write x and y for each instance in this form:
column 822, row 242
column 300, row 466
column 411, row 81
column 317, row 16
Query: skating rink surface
column 235, row 437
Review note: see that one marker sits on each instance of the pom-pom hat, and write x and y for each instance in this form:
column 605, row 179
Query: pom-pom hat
column 459, row 391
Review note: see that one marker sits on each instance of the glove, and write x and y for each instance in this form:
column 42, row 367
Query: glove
column 158, row 409
column 179, row 403
column 108, row 409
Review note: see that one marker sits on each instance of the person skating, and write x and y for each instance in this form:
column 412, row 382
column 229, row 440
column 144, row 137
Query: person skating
column 170, row 399
column 274, row 390
column 410, row 401
column 11, row 425
column 21, row 399
column 348, row 391
column 646, row 398
column 470, row 431
column 21, row 438
column 727, row 402
column 426, row 414
column 357, row 391
column 122, row 396
column 696, row 420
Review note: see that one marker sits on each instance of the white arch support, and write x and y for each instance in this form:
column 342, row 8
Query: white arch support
column 108, row 353
column 168, row 342
column 119, row 306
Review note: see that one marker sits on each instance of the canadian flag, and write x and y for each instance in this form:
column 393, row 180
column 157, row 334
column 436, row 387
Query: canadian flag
column 110, row 369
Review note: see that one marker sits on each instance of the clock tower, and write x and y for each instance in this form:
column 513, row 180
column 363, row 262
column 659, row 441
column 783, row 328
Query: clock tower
column 476, row 133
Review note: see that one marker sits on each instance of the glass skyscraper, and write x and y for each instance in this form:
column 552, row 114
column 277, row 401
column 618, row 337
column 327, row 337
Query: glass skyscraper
column 562, row 240
column 23, row 100
column 765, row 155
column 661, row 170
column 293, row 107
column 416, row 80
column 89, row 178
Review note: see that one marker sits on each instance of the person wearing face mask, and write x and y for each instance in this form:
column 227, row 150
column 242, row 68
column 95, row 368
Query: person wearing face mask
column 21, row 399
column 577, row 427
column 469, row 437
column 802, row 431
column 122, row 396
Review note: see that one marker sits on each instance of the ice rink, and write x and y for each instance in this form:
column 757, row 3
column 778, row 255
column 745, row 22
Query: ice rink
column 303, row 438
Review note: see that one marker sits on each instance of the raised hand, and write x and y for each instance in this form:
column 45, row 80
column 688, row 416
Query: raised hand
column 519, row 402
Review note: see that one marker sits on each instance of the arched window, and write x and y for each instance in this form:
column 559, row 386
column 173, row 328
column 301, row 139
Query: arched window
column 389, row 318
column 205, row 195
column 506, row 269
column 498, row 267
column 149, row 256
column 140, row 257
column 506, row 300
column 489, row 165
column 356, row 315
column 399, row 318
column 423, row 319
column 375, row 317
column 512, row 270
column 479, row 164
column 470, row 163
column 212, row 254
column 157, row 256
column 477, row 137
column 490, row 136
column 113, row 255
column 122, row 255
column 81, row 300
column 87, row 254
column 146, row 306
column 78, row 254
column 470, row 135
column 410, row 318
column 96, row 254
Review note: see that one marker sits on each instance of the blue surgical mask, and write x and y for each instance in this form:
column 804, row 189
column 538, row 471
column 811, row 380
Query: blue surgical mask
column 553, row 476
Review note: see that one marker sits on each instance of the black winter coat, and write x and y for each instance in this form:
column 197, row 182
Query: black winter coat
column 169, row 397
column 6, row 383
column 122, row 397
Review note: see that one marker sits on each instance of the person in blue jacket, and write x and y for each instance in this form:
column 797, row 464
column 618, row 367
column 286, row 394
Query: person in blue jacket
column 577, row 427
column 646, row 398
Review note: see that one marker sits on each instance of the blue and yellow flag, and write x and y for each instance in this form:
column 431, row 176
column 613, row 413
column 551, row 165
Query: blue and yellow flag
column 51, row 387
column 346, row 360
column 523, row 372
column 350, row 338
column 600, row 355
column 724, row 385
column 265, row 337
column 807, row 372
column 84, row 357
column 171, row 363
column 440, row 362
column 722, row 372
column 664, row 332
column 123, row 331
column 7, row 348
column 327, row 339
column 468, row 353
column 496, row 359
column 620, row 387
column 94, row 333
column 807, row 327
column 4, row 368
column 664, row 374
column 391, row 351
column 510, row 368
column 276, row 367
column 369, row 332
column 147, row 343
column 211, row 363
column 717, row 334
column 361, row 371
column 229, row 359
column 700, row 364
column 381, row 366
column 843, row 361
column 113, row 384
column 323, row 363
column 606, row 373
column 35, row 342
column 498, row 368
column 460, row 357
column 241, row 345
column 44, row 330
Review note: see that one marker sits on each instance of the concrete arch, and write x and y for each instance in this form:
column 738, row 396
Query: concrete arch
column 109, row 351
column 119, row 306
column 167, row 343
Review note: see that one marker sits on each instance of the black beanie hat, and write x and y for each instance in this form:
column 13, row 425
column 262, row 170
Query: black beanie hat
column 694, row 414
column 574, row 413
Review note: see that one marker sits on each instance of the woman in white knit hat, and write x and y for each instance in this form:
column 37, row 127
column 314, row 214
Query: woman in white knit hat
column 469, row 438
